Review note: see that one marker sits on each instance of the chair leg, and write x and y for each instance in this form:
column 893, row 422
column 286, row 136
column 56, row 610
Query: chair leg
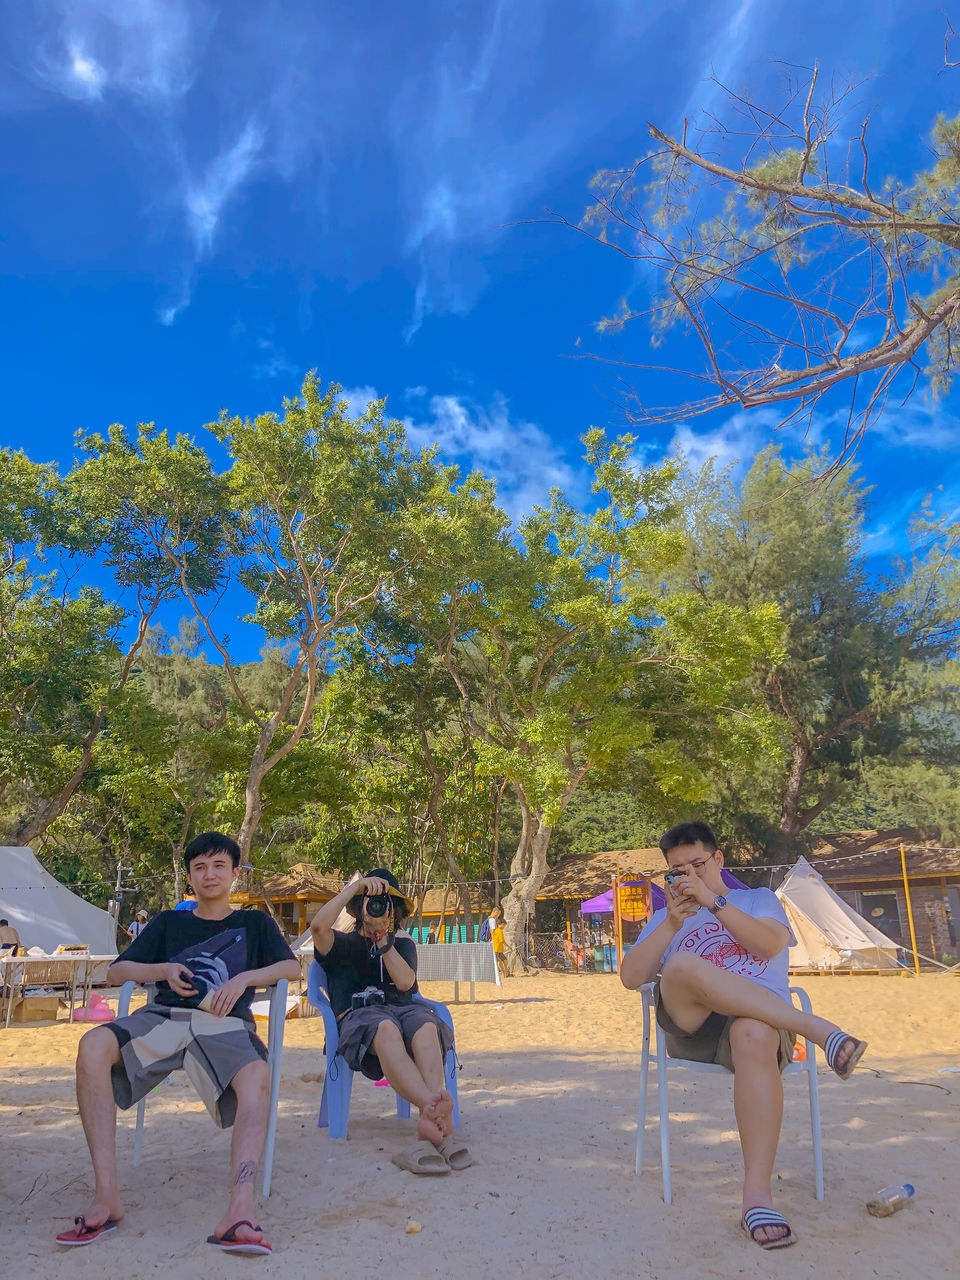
column 403, row 1108
column 451, row 1081
column 272, row 1121
column 642, row 1100
column 815, row 1128
column 138, row 1133
column 335, row 1103
column 664, row 1102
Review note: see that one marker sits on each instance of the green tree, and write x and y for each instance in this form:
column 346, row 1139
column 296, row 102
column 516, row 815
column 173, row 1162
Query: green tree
column 858, row 658
column 569, row 665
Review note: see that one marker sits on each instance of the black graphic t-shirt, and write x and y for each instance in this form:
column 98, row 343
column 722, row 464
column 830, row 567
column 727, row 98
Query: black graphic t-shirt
column 213, row 950
column 350, row 967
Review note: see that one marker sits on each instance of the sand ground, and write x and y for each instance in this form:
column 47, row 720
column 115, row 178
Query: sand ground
column 548, row 1093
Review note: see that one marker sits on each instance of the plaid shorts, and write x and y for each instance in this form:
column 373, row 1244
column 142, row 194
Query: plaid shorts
column 157, row 1039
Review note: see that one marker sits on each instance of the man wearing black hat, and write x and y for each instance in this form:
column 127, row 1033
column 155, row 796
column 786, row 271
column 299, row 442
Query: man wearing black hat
column 371, row 981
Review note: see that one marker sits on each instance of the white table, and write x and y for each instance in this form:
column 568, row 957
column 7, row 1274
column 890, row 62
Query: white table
column 73, row 971
column 458, row 962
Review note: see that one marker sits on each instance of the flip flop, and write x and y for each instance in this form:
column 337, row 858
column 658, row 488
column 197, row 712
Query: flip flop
column 229, row 1243
column 423, row 1158
column 754, row 1219
column 456, row 1152
column 80, row 1233
column 833, row 1048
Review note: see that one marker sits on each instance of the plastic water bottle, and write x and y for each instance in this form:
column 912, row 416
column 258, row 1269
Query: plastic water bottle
column 889, row 1200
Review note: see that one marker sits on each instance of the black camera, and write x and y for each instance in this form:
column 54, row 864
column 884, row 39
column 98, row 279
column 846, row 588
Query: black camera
column 367, row 997
column 378, row 904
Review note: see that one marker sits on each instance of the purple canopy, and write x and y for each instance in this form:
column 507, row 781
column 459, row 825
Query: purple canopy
column 602, row 904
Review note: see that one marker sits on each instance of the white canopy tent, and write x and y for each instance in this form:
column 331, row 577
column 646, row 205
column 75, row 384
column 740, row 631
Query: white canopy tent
column 829, row 933
column 44, row 912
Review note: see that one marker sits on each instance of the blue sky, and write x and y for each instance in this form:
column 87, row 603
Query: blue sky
column 200, row 202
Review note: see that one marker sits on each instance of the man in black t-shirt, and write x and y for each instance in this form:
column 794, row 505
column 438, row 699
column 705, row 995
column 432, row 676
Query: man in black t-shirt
column 205, row 965
column 371, row 975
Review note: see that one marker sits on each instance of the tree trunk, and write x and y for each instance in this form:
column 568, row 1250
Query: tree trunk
column 34, row 827
column 527, row 872
column 790, row 796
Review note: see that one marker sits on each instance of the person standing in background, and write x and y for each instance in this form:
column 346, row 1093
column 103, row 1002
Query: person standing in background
column 137, row 925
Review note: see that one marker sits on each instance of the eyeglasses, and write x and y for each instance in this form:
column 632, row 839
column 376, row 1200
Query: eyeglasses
column 684, row 867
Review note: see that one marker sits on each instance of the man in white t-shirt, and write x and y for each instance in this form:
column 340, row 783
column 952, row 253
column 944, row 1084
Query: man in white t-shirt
column 723, row 996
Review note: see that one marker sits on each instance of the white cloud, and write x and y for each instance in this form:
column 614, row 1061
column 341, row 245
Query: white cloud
column 204, row 200
column 733, row 444
column 148, row 49
column 525, row 462
column 87, row 72
column 414, row 393
column 920, row 424
column 357, row 399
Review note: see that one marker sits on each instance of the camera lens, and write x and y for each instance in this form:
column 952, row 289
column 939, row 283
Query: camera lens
column 377, row 904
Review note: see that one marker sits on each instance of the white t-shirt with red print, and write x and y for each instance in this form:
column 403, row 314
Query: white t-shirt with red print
column 705, row 935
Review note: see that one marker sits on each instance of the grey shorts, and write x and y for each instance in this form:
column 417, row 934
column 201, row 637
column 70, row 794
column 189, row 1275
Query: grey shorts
column 711, row 1040
column 359, row 1026
column 158, row 1039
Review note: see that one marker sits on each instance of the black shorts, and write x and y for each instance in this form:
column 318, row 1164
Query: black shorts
column 711, row 1040
column 359, row 1026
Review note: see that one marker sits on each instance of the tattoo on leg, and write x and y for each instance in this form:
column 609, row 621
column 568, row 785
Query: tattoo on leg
column 246, row 1173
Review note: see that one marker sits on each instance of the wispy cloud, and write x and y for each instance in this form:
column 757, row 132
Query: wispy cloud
column 357, row 399
column 204, row 199
column 148, row 49
column 523, row 459
column 921, row 424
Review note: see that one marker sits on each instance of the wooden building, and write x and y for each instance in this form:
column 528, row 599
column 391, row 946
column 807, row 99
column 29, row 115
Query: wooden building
column 864, row 868
column 295, row 895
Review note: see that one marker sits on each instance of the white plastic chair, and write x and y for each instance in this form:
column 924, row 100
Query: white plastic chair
column 808, row 1068
column 275, row 1025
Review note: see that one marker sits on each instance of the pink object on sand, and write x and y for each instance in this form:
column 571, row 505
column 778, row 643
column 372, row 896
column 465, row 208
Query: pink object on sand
column 381, row 1084
column 96, row 1011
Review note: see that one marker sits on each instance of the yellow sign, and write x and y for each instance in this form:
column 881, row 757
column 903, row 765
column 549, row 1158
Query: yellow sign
column 634, row 901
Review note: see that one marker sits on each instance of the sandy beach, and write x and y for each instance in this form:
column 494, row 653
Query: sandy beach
column 548, row 1094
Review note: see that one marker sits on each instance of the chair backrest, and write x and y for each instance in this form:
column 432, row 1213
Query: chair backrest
column 318, row 988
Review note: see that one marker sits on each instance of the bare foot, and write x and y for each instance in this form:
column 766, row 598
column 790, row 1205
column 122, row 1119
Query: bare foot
column 444, row 1112
column 430, row 1126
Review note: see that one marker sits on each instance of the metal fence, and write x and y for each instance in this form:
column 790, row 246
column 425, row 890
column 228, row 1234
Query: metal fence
column 556, row 951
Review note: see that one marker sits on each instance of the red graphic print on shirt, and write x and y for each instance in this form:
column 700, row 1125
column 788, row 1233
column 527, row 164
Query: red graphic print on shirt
column 712, row 941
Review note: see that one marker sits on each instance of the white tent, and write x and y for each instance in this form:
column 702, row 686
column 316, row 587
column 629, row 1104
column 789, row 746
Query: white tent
column 44, row 912
column 829, row 933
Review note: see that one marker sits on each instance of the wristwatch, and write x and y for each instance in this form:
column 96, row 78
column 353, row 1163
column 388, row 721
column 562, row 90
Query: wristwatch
column 719, row 903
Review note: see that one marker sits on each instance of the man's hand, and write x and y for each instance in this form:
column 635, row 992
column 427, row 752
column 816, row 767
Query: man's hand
column 373, row 885
column 681, row 904
column 178, row 976
column 694, row 887
column 223, row 998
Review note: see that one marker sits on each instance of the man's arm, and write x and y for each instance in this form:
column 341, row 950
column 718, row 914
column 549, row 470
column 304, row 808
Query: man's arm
column 763, row 936
column 227, row 995
column 642, row 962
column 321, row 926
column 171, row 971
column 403, row 974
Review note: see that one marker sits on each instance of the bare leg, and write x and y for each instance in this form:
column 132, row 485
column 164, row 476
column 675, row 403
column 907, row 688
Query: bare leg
column 251, row 1084
column 428, row 1056
column 98, row 1052
column 758, row 1103
column 692, row 988
column 406, row 1078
